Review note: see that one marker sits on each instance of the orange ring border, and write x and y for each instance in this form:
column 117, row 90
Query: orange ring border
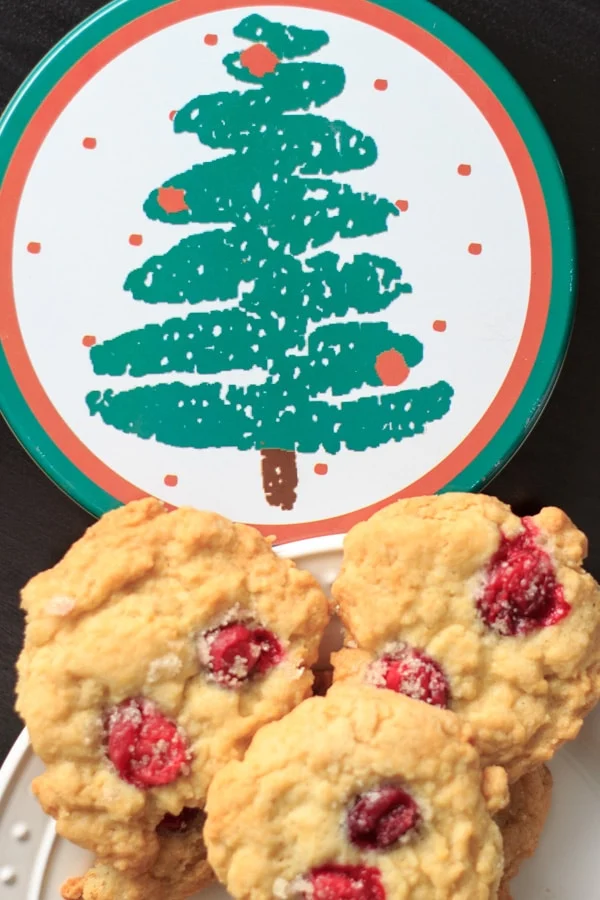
column 426, row 44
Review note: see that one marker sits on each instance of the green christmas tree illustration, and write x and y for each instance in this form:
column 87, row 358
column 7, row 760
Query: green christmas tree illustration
column 272, row 310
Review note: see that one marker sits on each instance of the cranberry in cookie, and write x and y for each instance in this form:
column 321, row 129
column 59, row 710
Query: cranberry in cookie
column 456, row 601
column 234, row 653
column 145, row 748
column 363, row 794
column 411, row 672
column 343, row 883
column 153, row 652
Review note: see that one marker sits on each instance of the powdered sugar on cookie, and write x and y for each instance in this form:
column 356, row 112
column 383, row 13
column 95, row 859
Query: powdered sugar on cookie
column 60, row 605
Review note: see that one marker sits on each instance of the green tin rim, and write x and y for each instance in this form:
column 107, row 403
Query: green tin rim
column 536, row 392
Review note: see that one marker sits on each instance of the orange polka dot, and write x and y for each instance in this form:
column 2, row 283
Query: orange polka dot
column 259, row 60
column 172, row 114
column 88, row 340
column 171, row 480
column 171, row 199
column 321, row 468
column 89, row 143
column 380, row 84
column 402, row 205
column 475, row 249
column 211, row 39
column 135, row 240
column 391, row 368
column 34, row 247
column 439, row 325
column 464, row 169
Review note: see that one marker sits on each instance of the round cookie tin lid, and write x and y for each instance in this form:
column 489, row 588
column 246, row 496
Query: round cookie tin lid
column 288, row 261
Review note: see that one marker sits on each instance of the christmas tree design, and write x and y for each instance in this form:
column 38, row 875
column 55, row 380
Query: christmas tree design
column 272, row 308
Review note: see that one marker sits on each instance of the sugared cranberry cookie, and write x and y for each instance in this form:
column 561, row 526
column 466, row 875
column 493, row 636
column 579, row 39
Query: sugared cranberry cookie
column 153, row 652
column 180, row 869
column 359, row 795
column 455, row 601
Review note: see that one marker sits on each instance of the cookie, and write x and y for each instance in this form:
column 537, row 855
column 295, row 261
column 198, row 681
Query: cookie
column 456, row 601
column 362, row 795
column 153, row 652
column 522, row 822
column 180, row 868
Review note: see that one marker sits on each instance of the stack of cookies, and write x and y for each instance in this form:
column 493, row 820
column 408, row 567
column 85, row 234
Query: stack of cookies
column 154, row 651
column 165, row 681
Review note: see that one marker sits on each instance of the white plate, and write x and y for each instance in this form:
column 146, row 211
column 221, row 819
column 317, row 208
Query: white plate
column 34, row 861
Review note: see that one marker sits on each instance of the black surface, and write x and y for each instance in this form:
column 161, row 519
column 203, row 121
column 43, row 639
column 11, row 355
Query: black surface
column 552, row 48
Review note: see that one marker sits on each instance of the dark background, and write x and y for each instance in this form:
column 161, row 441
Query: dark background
column 552, row 48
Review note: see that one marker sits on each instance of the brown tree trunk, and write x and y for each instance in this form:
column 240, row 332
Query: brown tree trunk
column 279, row 477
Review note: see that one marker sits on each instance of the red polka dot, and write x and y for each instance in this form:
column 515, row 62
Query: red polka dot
column 439, row 325
column 171, row 199
column 172, row 114
column 259, row 60
column 171, row 480
column 321, row 469
column 88, row 340
column 135, row 240
column 380, row 84
column 211, row 39
column 464, row 169
column 391, row 368
column 475, row 249
column 89, row 143
column 34, row 247
column 402, row 205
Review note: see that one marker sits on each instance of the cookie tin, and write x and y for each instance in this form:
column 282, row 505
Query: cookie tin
column 288, row 261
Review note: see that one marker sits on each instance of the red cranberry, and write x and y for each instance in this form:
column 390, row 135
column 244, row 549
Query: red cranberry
column 237, row 652
column 521, row 592
column 181, row 823
column 414, row 674
column 379, row 818
column 335, row 882
column 146, row 749
column 271, row 651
